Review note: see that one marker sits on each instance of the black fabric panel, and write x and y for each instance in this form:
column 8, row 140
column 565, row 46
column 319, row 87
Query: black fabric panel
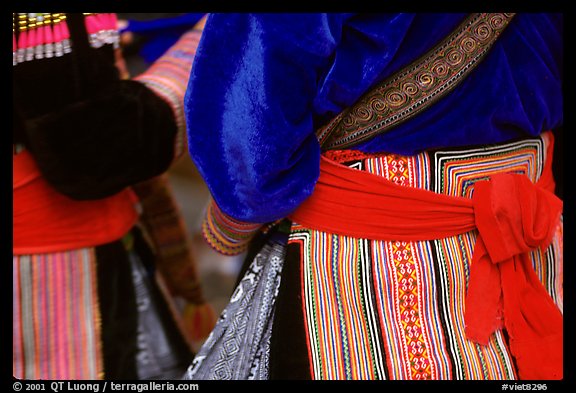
column 18, row 126
column 289, row 351
column 118, row 312
column 179, row 348
column 94, row 149
column 94, row 69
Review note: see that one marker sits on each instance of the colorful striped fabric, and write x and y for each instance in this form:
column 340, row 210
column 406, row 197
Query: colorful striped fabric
column 225, row 234
column 56, row 317
column 164, row 226
column 162, row 221
column 168, row 77
column 395, row 310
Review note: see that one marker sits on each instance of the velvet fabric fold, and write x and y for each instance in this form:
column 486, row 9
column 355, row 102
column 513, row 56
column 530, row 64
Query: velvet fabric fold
column 122, row 124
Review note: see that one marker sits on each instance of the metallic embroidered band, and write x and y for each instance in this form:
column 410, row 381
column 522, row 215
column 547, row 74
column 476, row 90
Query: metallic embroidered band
column 417, row 86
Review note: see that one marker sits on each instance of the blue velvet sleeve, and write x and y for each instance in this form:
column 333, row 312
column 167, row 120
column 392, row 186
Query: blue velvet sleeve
column 248, row 108
column 261, row 84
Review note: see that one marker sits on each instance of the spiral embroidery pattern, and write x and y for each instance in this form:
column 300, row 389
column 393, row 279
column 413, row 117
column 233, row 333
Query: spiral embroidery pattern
column 417, row 86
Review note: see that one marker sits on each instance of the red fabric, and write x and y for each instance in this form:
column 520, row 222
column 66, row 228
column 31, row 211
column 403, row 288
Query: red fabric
column 512, row 215
column 47, row 221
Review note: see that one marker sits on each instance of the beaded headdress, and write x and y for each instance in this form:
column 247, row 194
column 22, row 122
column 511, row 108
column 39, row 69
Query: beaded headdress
column 46, row 35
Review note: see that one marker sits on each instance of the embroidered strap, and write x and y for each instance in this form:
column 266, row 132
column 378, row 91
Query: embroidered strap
column 225, row 234
column 417, row 86
column 168, row 77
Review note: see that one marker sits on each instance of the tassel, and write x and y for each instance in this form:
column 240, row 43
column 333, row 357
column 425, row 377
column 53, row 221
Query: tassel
column 14, row 49
column 48, row 36
column 199, row 320
column 22, row 37
column 65, row 35
column 91, row 23
column 93, row 27
column 108, row 26
column 103, row 30
column 14, row 43
column 40, row 39
column 58, row 36
column 113, row 21
column 31, row 42
column 22, row 41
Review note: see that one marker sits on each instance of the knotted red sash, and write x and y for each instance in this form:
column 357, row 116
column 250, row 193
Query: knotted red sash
column 512, row 215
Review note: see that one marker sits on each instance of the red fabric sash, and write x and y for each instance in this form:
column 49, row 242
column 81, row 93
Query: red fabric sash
column 47, row 221
column 512, row 215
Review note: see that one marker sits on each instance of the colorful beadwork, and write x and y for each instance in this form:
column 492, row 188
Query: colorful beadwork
column 38, row 36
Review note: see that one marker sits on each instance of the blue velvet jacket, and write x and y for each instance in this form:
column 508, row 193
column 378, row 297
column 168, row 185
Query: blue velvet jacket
column 261, row 84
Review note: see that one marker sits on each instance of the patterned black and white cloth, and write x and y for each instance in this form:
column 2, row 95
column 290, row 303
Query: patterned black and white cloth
column 239, row 346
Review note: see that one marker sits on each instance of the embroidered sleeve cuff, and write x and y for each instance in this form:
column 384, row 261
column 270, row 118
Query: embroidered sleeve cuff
column 225, row 234
column 168, row 77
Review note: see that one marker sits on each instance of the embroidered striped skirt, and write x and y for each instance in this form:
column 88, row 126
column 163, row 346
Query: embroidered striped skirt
column 94, row 313
column 360, row 309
